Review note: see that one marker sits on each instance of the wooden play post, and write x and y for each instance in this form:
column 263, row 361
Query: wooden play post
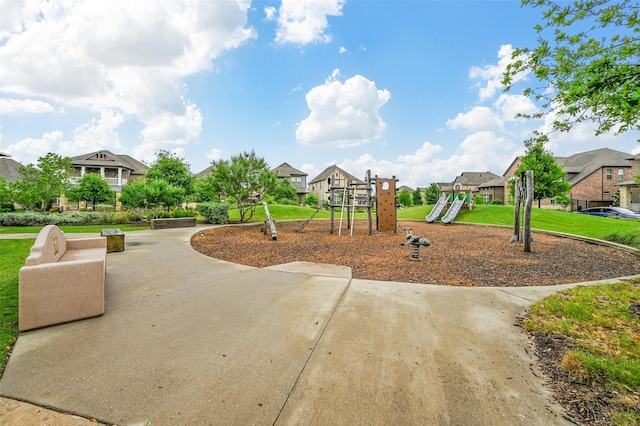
column 527, row 211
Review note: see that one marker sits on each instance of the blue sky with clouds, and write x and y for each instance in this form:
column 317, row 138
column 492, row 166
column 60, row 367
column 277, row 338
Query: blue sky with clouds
column 403, row 88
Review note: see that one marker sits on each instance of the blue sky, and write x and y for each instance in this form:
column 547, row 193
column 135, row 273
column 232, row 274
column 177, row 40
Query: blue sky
column 402, row 88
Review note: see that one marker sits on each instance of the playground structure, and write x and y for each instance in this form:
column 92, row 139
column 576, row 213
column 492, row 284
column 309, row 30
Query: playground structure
column 356, row 194
column 456, row 203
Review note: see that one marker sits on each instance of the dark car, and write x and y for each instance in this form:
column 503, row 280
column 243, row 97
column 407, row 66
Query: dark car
column 611, row 212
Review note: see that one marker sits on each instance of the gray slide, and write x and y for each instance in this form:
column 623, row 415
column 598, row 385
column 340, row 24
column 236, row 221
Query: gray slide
column 437, row 209
column 451, row 214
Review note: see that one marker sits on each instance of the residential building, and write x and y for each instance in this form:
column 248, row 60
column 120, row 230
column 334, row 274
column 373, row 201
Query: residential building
column 470, row 181
column 595, row 177
column 492, row 190
column 334, row 177
column 9, row 168
column 297, row 178
column 629, row 189
column 116, row 169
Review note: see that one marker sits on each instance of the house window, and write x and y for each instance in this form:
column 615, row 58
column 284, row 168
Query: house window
column 486, row 198
column 620, row 174
column 609, row 174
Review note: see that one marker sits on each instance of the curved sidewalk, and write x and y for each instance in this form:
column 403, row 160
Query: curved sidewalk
column 187, row 339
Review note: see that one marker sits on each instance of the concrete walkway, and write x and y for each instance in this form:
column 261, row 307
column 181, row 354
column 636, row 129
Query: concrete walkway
column 187, row 339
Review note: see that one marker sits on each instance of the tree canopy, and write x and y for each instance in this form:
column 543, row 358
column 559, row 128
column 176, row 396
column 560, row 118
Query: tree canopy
column 404, row 198
column 431, row 193
column 91, row 187
column 588, row 61
column 172, row 169
column 41, row 184
column 243, row 179
column 548, row 175
column 417, row 197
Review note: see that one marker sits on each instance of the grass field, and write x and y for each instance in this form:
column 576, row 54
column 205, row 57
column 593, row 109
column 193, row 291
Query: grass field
column 598, row 354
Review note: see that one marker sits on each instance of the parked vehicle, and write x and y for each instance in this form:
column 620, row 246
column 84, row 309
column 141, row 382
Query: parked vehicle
column 611, row 212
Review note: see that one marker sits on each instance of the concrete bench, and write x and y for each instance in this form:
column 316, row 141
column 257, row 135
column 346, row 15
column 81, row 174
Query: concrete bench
column 173, row 222
column 62, row 280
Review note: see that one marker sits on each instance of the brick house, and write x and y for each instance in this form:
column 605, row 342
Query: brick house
column 492, row 190
column 297, row 178
column 629, row 189
column 594, row 176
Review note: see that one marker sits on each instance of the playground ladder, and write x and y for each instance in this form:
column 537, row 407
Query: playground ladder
column 306, row 222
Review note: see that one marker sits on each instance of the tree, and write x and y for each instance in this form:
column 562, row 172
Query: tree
column 284, row 191
column 244, row 179
column 161, row 194
column 91, row 187
column 588, row 60
column 6, row 195
column 134, row 196
column 417, row 197
column 432, row 193
column 41, row 184
column 404, row 198
column 311, row 200
column 153, row 195
column 174, row 170
column 547, row 174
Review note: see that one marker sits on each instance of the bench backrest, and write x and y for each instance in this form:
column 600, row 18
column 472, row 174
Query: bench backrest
column 50, row 245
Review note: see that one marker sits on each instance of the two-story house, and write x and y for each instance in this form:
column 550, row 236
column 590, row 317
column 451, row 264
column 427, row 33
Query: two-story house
column 594, row 177
column 116, row 169
column 630, row 189
column 297, row 178
column 334, row 177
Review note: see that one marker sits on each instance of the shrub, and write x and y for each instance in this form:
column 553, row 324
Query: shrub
column 478, row 199
column 103, row 208
column 182, row 212
column 311, row 200
column 214, row 212
column 496, row 201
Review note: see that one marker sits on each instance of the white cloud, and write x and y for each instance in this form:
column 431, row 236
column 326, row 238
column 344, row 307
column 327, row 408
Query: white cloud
column 491, row 75
column 479, row 118
column 269, row 13
column 343, row 114
column 130, row 58
column 95, row 135
column 214, row 154
column 29, row 149
column 342, row 50
column 305, row 21
column 510, row 105
column 14, row 106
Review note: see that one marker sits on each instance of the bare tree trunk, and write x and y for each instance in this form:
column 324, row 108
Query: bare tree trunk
column 527, row 212
column 516, row 208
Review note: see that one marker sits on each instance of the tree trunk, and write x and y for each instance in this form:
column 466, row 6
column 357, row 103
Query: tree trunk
column 527, row 212
column 516, row 208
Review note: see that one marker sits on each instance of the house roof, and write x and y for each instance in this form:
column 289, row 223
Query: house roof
column 104, row 158
column 475, row 178
column 497, row 182
column 579, row 166
column 329, row 171
column 137, row 167
column 405, row 187
column 285, row 170
column 9, row 168
column 203, row 174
